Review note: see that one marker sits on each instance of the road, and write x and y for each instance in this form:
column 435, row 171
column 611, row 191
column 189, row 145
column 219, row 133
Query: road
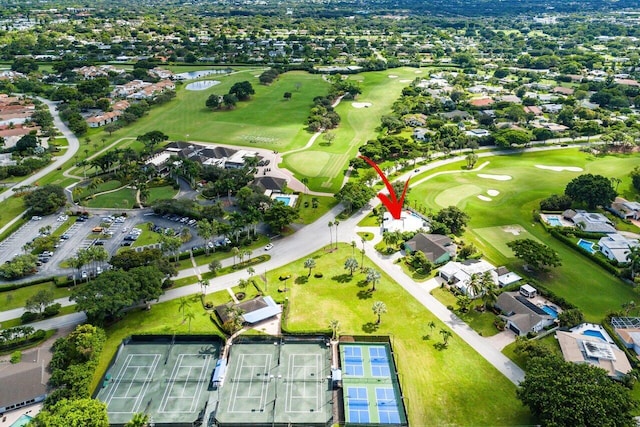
column 74, row 146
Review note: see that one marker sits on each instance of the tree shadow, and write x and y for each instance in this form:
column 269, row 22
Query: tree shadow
column 426, row 337
column 301, row 280
column 364, row 294
column 342, row 278
column 440, row 346
column 363, row 283
column 370, row 327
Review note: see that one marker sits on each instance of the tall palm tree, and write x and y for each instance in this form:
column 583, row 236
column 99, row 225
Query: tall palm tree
column 235, row 252
column 474, row 287
column 379, row 308
column 205, row 230
column 330, row 235
column 335, row 326
column 373, row 277
column 204, row 283
column 446, row 334
column 634, row 260
column 353, row 248
column 310, row 263
column 336, row 223
column 190, row 316
column 490, row 295
column 247, row 253
column 182, row 306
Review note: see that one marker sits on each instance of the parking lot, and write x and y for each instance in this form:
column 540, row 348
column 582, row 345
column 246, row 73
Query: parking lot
column 116, row 232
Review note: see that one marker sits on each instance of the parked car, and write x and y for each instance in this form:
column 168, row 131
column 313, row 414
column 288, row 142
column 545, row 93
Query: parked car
column 268, row 247
column 84, row 275
column 36, row 218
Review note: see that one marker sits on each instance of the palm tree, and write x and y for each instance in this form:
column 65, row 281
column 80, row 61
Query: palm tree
column 351, row 264
column 138, row 420
column 373, row 277
column 628, row 306
column 235, row 252
column 353, row 248
column 490, row 295
column 190, row 316
column 634, row 260
column 431, row 325
column 184, row 304
column 474, row 287
column 251, row 272
column 305, row 181
column 310, row 263
column 242, row 283
column 247, row 253
column 204, row 283
column 330, row 235
column 362, row 263
column 205, row 230
column 336, row 223
column 446, row 334
column 335, row 326
column 379, row 308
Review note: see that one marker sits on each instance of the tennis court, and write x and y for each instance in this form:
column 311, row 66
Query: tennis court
column 277, row 382
column 167, row 380
column 371, row 389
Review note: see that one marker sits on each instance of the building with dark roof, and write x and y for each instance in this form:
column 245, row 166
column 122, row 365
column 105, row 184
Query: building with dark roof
column 437, row 248
column 521, row 315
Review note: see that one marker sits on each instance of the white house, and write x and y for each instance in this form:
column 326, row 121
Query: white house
column 459, row 274
column 591, row 222
column 616, row 246
column 625, row 209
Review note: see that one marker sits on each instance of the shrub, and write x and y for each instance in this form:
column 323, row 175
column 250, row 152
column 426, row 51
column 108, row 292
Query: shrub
column 16, row 357
column 28, row 317
column 52, row 310
column 317, row 275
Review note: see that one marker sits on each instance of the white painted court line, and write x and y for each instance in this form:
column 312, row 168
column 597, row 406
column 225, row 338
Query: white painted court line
column 182, row 385
column 297, row 384
column 264, row 385
column 120, row 380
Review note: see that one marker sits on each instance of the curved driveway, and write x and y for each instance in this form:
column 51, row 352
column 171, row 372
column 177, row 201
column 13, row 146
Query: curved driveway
column 74, row 146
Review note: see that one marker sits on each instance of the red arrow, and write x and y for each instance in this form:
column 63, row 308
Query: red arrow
column 393, row 205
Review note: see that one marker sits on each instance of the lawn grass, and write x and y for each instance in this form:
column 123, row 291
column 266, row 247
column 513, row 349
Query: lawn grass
column 147, row 237
column 480, row 321
column 549, row 342
column 12, row 323
column 309, row 214
column 371, row 220
column 124, row 198
column 17, row 298
column 579, row 280
column 11, row 208
column 159, row 193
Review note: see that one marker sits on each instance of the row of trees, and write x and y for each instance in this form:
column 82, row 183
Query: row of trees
column 240, row 91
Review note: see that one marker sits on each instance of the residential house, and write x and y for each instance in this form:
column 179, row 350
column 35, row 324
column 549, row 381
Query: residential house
column 511, row 98
column 533, row 110
column 625, row 209
column 590, row 222
column 477, row 133
column 415, row 120
column 552, row 108
column 481, row 102
column 563, row 90
column 421, row 134
column 628, row 330
column 269, row 184
column 521, row 315
column 506, row 277
column 103, row 119
column 616, row 247
column 456, row 115
column 579, row 348
column 459, row 274
column 437, row 248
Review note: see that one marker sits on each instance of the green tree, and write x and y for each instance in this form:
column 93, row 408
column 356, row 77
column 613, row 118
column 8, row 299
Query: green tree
column 453, row 218
column 351, row 264
column 446, row 334
column 190, row 315
column 563, row 393
column 379, row 308
column 373, row 277
column 592, row 190
column 39, row 301
column 213, row 101
column 472, row 159
column 355, row 195
column 242, row 90
column 570, row 318
column 309, row 263
column 635, row 178
column 45, row 200
column 139, row 419
column 534, row 254
column 214, row 266
column 74, row 413
column 152, row 138
column 280, row 215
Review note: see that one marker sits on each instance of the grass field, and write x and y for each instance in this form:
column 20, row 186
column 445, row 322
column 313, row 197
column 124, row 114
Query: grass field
column 323, row 164
column 159, row 193
column 433, row 392
column 18, row 297
column 123, row 198
column 579, row 280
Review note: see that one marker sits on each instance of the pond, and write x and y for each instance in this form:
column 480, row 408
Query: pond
column 201, row 85
column 190, row 75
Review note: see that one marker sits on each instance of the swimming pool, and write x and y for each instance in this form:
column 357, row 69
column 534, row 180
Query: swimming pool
column 284, row 199
column 587, row 246
column 553, row 221
column 22, row 421
column 550, row 310
column 594, row 333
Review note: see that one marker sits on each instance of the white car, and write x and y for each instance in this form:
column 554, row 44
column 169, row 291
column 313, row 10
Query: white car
column 36, row 218
column 84, row 275
column 268, row 246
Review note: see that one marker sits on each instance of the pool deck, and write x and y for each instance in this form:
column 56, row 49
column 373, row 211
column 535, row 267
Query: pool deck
column 563, row 222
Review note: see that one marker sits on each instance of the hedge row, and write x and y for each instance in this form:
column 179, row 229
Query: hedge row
column 20, row 342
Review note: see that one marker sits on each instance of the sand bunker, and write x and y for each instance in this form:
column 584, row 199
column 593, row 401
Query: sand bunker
column 485, row 198
column 418, row 71
column 496, row 177
column 361, row 104
column 493, row 193
column 513, row 229
column 393, row 76
column 405, row 81
column 560, row 168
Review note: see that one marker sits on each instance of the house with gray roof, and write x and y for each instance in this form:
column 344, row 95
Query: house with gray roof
column 591, row 222
column 459, row 274
column 521, row 315
column 437, row 248
column 616, row 247
column 625, row 209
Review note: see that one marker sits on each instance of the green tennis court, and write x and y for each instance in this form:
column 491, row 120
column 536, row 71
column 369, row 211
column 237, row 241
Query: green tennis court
column 167, row 380
column 277, row 382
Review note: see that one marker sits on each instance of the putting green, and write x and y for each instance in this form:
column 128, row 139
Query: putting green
column 498, row 237
column 309, row 163
column 453, row 196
